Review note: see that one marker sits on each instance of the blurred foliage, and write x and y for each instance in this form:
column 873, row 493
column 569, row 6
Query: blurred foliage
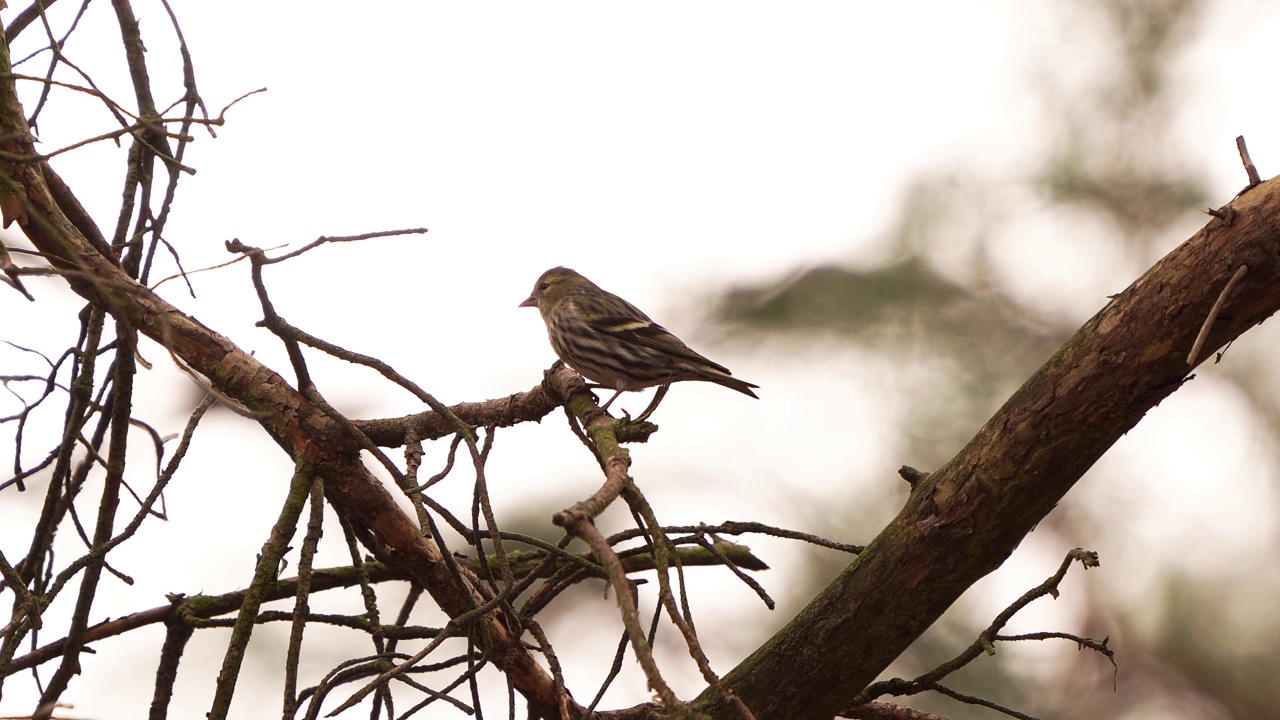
column 1112, row 147
column 907, row 303
column 1108, row 150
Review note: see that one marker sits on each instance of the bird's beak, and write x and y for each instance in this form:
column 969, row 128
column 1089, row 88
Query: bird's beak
column 530, row 301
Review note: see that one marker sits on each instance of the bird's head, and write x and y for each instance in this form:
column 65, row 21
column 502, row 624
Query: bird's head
column 555, row 285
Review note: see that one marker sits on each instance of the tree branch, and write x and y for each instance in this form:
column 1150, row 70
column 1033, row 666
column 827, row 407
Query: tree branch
column 964, row 520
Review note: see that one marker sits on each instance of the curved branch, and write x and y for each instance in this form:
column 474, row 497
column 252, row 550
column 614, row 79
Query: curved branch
column 962, row 521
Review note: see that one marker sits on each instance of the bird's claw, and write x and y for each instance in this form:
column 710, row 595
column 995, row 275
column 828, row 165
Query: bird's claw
column 657, row 398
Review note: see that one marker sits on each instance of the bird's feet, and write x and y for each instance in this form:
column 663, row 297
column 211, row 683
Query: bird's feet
column 653, row 404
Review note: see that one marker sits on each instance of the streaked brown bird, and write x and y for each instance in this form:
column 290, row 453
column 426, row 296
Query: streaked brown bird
column 612, row 343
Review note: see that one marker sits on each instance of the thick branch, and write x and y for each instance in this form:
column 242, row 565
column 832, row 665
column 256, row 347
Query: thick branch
column 963, row 520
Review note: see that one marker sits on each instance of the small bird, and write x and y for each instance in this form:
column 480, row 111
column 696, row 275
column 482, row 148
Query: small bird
column 612, row 343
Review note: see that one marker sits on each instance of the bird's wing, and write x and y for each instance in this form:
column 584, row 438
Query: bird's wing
column 644, row 331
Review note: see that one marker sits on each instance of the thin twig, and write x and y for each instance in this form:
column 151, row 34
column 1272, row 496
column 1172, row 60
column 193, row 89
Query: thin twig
column 263, row 577
column 123, row 374
column 984, row 644
column 680, row 617
column 343, row 238
column 1249, row 168
column 1213, row 314
column 301, row 604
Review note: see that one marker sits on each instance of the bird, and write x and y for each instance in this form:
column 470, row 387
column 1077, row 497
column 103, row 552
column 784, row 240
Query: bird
column 612, row 343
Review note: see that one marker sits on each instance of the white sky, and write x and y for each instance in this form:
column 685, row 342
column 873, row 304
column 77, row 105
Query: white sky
column 663, row 150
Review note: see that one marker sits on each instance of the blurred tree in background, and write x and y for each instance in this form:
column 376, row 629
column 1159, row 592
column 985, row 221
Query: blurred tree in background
column 966, row 303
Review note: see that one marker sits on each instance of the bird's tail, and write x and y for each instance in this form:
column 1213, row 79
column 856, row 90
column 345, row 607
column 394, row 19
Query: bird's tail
column 730, row 381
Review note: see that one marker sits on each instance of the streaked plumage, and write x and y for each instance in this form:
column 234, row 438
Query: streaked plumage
column 611, row 342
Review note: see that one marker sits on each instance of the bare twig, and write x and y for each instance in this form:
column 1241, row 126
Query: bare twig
column 1213, row 314
column 985, row 644
column 343, row 238
column 682, row 620
column 263, row 576
column 11, row 273
column 586, row 530
column 737, row 527
column 301, row 607
column 121, row 404
column 1249, row 168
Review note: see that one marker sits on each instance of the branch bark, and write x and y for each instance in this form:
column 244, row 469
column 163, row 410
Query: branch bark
column 964, row 520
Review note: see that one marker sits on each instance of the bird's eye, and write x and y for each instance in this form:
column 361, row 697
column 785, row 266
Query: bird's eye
column 543, row 286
